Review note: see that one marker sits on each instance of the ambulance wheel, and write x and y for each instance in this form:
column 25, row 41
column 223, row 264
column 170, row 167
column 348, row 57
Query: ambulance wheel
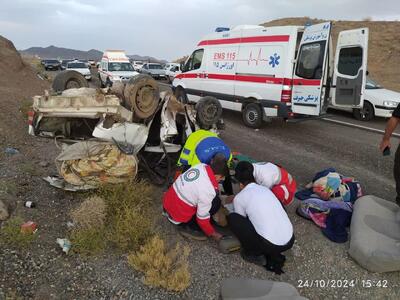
column 252, row 115
column 367, row 113
column 68, row 80
column 180, row 94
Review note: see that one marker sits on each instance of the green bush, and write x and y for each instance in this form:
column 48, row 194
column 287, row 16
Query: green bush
column 11, row 235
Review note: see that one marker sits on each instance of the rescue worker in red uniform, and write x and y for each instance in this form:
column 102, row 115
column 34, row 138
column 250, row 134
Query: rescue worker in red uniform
column 193, row 199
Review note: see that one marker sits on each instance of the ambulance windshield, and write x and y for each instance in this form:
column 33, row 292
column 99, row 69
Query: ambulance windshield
column 120, row 66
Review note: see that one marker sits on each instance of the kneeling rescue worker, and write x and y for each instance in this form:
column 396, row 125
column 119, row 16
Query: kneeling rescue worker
column 277, row 179
column 200, row 147
column 193, row 199
column 260, row 222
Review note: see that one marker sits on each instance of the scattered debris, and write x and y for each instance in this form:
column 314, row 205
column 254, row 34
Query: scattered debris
column 3, row 211
column 11, row 151
column 30, row 204
column 65, row 244
column 93, row 163
column 70, row 224
column 11, row 235
column 29, row 227
column 60, row 183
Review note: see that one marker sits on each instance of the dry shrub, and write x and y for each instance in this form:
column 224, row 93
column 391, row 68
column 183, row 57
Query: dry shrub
column 164, row 268
column 11, row 235
column 89, row 241
column 129, row 215
column 130, row 229
column 90, row 214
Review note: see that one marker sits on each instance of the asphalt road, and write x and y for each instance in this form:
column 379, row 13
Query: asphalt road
column 310, row 146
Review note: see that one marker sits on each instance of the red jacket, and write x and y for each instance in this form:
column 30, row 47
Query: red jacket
column 192, row 194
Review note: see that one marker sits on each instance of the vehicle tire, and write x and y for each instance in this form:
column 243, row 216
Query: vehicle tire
column 208, row 111
column 181, row 96
column 67, row 80
column 142, row 96
column 252, row 115
column 367, row 113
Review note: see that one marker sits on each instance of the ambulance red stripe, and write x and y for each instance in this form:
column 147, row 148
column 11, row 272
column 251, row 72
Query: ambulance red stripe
column 251, row 39
column 250, row 78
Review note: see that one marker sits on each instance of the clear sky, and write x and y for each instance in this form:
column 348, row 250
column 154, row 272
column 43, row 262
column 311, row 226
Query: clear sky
column 160, row 28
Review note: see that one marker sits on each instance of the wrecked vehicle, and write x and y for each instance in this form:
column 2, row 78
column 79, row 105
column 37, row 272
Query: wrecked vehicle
column 135, row 117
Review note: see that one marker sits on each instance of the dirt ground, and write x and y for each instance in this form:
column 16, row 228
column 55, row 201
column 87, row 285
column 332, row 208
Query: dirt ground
column 42, row 271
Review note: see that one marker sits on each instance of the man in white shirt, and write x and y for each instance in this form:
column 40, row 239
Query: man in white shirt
column 260, row 222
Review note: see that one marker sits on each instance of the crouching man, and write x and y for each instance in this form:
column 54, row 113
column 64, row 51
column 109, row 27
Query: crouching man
column 277, row 179
column 260, row 222
column 193, row 199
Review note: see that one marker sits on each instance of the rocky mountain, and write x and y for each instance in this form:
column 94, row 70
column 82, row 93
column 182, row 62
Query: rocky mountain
column 62, row 53
column 65, row 53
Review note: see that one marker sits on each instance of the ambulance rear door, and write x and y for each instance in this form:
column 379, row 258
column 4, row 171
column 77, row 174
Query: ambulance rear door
column 310, row 70
column 350, row 69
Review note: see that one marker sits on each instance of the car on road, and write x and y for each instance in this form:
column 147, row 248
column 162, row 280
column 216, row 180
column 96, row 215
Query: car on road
column 51, row 64
column 64, row 63
column 80, row 67
column 154, row 70
column 168, row 66
column 137, row 65
column 172, row 71
column 378, row 102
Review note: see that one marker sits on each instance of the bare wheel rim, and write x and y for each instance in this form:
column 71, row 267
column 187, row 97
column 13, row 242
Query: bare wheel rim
column 72, row 84
column 145, row 99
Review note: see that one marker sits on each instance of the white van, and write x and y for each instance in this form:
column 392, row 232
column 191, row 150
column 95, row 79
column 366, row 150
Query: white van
column 115, row 66
column 278, row 71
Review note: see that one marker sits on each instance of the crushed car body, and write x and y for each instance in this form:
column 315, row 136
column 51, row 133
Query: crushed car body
column 135, row 117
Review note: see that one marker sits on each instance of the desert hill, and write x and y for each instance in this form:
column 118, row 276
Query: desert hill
column 383, row 49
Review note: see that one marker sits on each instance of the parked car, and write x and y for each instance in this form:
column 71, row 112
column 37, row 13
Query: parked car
column 64, row 63
column 137, row 65
column 168, row 66
column 378, row 102
column 51, row 64
column 172, row 72
column 154, row 70
column 80, row 67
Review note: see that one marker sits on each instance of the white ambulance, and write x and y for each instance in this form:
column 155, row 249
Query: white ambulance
column 115, row 66
column 281, row 71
